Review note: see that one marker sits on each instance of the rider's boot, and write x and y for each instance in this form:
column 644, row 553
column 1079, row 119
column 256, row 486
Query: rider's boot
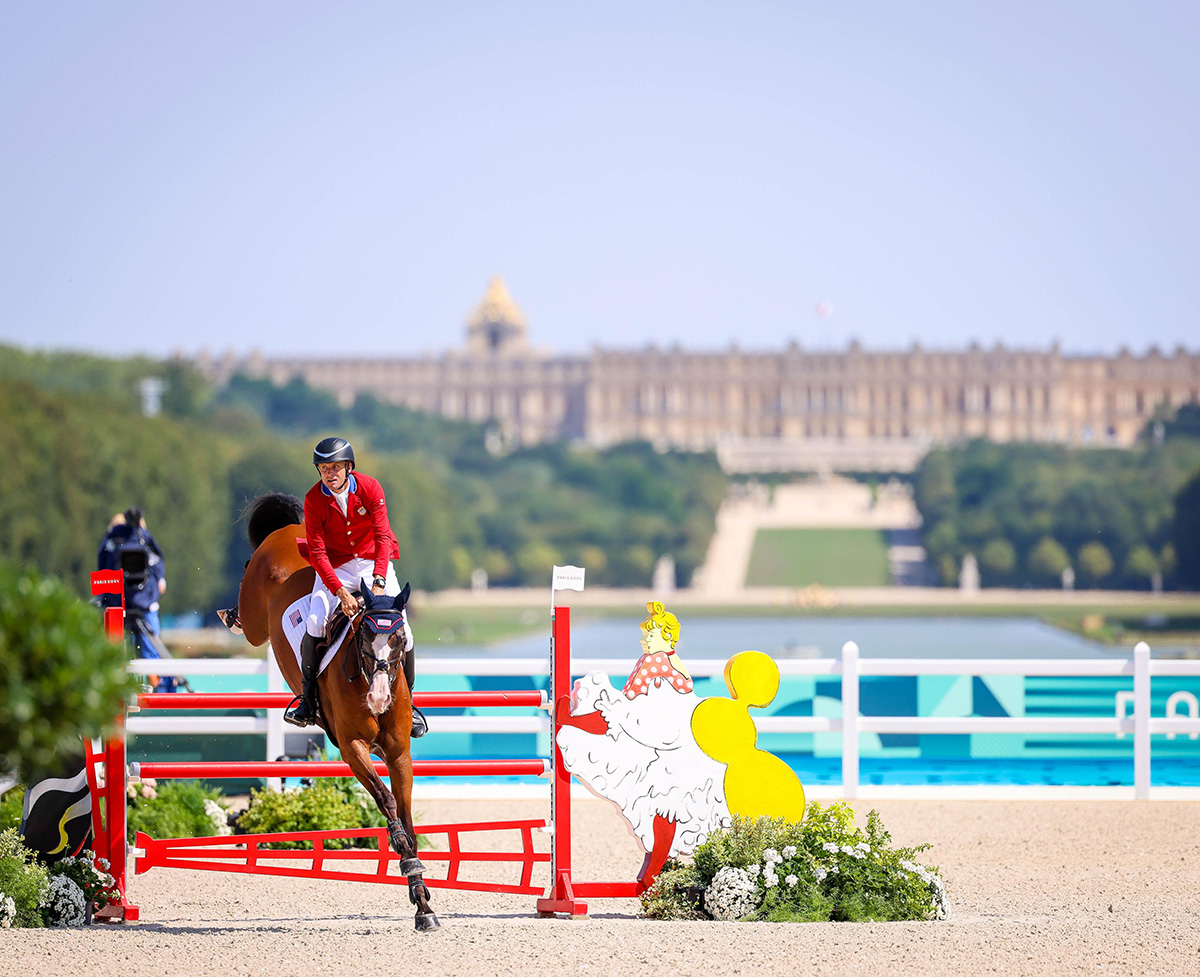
column 420, row 725
column 303, row 711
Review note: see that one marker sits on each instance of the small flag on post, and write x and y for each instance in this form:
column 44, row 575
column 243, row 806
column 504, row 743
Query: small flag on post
column 565, row 578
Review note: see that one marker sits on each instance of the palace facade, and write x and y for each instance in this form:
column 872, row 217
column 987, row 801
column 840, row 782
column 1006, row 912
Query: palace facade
column 794, row 409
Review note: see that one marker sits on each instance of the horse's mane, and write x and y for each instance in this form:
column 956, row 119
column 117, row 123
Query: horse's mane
column 270, row 512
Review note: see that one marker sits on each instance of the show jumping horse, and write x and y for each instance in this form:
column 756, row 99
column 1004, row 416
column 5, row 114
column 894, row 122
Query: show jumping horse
column 364, row 703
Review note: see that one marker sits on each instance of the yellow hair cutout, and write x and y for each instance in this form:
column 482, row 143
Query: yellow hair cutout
column 660, row 617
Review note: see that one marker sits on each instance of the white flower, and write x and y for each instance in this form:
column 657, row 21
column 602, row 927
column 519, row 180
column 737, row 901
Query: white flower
column 835, row 870
column 821, row 874
column 865, row 846
column 771, row 855
column 753, row 870
column 789, row 851
column 102, row 864
column 732, row 894
column 791, row 881
column 66, row 905
column 8, row 911
column 858, row 854
column 216, row 814
column 846, row 849
column 770, row 880
column 830, row 846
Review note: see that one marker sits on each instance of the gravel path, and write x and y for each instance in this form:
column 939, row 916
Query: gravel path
column 1038, row 887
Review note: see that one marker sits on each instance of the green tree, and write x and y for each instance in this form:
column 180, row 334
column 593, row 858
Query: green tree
column 1141, row 564
column 1185, row 534
column 1047, row 561
column 60, row 676
column 535, row 560
column 1095, row 562
column 997, row 560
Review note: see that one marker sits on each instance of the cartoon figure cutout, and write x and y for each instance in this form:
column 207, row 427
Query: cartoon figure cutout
column 641, row 748
column 757, row 784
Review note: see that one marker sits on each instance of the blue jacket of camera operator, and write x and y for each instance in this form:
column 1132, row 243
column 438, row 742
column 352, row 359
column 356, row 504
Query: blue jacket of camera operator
column 131, row 548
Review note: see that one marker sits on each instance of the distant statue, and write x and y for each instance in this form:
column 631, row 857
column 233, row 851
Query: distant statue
column 1068, row 578
column 968, row 576
column 663, row 581
column 479, row 579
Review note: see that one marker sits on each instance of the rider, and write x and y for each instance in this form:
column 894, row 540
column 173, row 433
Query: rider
column 349, row 536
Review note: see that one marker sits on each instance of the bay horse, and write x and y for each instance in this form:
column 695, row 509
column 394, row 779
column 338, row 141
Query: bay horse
column 365, row 699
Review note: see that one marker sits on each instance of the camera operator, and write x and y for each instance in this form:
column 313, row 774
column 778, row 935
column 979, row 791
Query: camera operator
column 129, row 546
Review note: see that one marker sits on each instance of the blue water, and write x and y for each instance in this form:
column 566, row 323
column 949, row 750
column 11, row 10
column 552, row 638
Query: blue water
column 1018, row 759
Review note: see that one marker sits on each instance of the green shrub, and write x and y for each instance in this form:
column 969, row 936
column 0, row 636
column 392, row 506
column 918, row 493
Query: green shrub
column 22, row 880
column 177, row 809
column 60, row 676
column 669, row 897
column 825, row 868
column 325, row 806
column 10, row 807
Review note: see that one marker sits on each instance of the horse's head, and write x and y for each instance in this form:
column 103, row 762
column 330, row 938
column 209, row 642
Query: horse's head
column 382, row 639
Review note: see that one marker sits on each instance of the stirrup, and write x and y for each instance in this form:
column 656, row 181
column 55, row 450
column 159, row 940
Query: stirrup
column 420, row 725
column 301, row 712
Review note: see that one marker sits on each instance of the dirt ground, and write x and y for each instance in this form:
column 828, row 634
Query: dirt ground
column 1037, row 887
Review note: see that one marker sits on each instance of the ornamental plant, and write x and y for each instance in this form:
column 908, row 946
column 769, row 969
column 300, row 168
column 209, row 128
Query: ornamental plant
column 23, row 883
column 90, row 875
column 176, row 809
column 60, row 676
column 62, row 894
column 825, row 868
column 323, row 806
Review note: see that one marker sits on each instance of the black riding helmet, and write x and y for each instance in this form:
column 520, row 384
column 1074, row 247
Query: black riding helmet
column 333, row 449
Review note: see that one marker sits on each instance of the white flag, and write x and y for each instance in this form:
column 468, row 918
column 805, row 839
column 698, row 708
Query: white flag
column 567, row 578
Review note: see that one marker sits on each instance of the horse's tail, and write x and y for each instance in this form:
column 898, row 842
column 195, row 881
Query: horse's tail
column 270, row 512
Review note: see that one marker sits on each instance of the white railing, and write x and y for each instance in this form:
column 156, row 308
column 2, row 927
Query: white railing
column 851, row 667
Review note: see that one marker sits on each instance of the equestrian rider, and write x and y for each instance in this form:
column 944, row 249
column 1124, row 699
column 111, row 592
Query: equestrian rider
column 349, row 536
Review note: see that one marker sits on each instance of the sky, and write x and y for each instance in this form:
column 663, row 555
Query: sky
column 327, row 178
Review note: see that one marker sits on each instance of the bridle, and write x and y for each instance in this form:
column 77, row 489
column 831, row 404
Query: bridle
column 364, row 660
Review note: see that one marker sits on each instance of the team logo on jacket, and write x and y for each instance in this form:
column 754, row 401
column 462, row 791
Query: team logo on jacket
column 362, row 511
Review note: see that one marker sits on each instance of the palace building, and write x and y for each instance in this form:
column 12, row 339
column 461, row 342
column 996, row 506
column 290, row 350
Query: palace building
column 787, row 410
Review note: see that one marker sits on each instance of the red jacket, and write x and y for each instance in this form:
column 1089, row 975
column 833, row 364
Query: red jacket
column 364, row 532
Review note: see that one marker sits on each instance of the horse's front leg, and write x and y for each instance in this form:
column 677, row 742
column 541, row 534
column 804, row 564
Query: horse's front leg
column 357, row 753
column 395, row 745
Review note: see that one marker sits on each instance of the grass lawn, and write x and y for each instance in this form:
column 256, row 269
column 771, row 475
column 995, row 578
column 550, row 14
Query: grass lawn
column 832, row 557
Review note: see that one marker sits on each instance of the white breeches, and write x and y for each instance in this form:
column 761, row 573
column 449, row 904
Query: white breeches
column 353, row 573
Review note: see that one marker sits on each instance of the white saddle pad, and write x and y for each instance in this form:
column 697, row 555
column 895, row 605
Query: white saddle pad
column 293, row 627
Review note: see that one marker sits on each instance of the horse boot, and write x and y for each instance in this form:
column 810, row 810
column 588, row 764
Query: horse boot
column 303, row 711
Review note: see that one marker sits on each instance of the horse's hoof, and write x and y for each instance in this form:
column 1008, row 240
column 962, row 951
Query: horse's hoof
column 427, row 922
column 412, row 866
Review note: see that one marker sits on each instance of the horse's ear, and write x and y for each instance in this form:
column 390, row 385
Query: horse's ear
column 402, row 597
column 364, row 591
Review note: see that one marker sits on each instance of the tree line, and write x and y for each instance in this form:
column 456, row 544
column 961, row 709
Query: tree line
column 1028, row 512
column 79, row 449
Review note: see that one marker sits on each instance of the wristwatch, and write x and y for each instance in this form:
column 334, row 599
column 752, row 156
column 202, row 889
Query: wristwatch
column 379, row 582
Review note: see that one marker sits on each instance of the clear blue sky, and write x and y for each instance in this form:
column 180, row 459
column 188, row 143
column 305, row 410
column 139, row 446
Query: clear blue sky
column 297, row 176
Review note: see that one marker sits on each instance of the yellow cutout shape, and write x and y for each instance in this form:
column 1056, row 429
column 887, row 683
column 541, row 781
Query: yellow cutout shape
column 757, row 783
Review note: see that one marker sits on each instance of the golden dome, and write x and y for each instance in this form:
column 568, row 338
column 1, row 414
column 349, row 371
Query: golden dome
column 497, row 306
